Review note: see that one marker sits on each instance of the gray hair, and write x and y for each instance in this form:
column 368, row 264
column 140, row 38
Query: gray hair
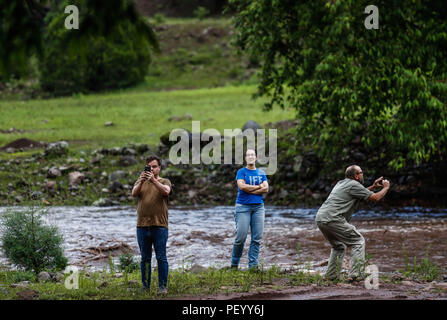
column 351, row 171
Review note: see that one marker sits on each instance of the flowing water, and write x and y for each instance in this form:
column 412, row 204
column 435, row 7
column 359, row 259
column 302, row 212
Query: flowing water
column 205, row 235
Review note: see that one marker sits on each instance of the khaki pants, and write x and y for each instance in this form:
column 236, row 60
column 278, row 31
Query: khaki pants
column 341, row 235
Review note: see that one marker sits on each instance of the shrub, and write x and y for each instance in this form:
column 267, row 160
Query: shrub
column 29, row 243
column 118, row 60
column 201, row 12
column 127, row 262
column 159, row 18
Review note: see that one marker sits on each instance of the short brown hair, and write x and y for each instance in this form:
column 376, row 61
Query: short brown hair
column 152, row 158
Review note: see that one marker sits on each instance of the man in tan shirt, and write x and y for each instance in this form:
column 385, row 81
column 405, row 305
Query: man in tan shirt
column 152, row 223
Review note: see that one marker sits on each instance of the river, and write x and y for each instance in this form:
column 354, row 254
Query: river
column 204, row 235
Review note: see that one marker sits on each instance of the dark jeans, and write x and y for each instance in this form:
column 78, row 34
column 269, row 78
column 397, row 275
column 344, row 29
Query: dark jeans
column 157, row 236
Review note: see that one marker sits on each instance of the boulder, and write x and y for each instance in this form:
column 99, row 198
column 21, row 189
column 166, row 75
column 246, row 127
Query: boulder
column 53, row 172
column 197, row 269
column 116, row 175
column 27, row 294
column 36, row 195
column 75, row 177
column 250, row 124
column 116, row 186
column 103, row 202
column 127, row 161
column 56, row 149
column 50, row 185
column 43, row 276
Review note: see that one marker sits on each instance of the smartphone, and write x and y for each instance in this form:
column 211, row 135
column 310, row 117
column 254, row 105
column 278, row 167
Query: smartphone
column 147, row 169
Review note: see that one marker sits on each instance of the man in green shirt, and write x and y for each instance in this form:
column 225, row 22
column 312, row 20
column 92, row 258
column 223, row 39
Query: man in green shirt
column 335, row 213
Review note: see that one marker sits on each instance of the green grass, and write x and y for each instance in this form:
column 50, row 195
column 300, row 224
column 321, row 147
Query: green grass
column 106, row 285
column 138, row 117
column 425, row 269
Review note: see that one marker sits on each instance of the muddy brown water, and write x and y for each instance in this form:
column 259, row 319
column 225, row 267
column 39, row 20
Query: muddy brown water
column 205, row 235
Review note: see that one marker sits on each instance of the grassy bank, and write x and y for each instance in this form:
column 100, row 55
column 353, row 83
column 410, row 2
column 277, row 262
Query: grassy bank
column 137, row 117
column 123, row 286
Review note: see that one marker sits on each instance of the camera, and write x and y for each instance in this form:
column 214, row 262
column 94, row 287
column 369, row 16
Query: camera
column 147, row 168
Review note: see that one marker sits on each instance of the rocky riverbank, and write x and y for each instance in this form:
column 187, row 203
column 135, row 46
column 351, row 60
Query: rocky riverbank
column 56, row 175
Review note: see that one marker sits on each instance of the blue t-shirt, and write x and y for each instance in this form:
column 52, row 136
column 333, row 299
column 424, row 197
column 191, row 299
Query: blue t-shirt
column 251, row 177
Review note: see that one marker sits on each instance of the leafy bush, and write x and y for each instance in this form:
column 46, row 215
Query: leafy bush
column 159, row 18
column 127, row 262
column 201, row 12
column 115, row 59
column 29, row 243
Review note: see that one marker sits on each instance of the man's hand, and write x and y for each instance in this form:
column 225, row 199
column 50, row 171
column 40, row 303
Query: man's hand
column 377, row 183
column 144, row 175
column 150, row 177
column 379, row 195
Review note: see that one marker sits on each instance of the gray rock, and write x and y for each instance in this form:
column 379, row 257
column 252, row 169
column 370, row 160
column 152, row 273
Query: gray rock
column 142, row 148
column 103, row 202
column 43, row 276
column 108, row 123
column 19, row 198
column 75, row 177
column 201, row 181
column 36, row 195
column 115, row 151
column 53, row 172
column 192, row 193
column 116, row 186
column 126, row 161
column 197, row 269
column 4, row 291
column 22, row 284
column 128, row 151
column 283, row 194
column 56, row 149
column 116, row 175
column 59, row 277
column 250, row 124
column 10, row 150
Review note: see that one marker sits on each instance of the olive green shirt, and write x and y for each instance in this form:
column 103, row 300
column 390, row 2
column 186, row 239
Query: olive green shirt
column 343, row 200
column 152, row 207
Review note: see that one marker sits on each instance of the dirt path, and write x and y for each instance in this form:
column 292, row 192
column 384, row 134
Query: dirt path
column 341, row 291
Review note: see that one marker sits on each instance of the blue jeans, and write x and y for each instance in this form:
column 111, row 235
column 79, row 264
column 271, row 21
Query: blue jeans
column 248, row 215
column 157, row 236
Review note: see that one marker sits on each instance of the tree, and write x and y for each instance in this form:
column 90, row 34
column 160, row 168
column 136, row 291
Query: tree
column 24, row 24
column 29, row 243
column 387, row 86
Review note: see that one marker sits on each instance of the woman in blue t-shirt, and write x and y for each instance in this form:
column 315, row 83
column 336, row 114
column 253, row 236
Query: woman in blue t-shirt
column 249, row 212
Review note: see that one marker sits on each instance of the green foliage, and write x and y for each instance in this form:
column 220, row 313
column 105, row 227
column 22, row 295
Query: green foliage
column 100, row 62
column 159, row 18
column 425, row 270
column 29, row 243
column 20, row 35
column 127, row 263
column 387, row 86
column 110, row 49
column 201, row 12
